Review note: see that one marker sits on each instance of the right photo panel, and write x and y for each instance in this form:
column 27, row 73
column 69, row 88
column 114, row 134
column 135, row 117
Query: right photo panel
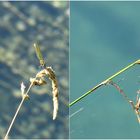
column 104, row 70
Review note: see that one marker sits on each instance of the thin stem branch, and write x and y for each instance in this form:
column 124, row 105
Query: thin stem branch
column 120, row 91
column 17, row 111
column 104, row 82
column 136, row 110
column 84, row 95
column 38, row 80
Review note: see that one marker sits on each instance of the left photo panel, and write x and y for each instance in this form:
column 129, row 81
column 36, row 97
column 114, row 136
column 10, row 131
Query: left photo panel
column 34, row 70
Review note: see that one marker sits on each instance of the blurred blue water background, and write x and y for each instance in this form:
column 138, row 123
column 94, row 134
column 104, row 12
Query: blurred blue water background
column 23, row 23
column 104, row 37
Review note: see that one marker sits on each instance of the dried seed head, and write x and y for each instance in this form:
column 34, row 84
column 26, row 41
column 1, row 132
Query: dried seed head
column 41, row 81
column 38, row 82
column 52, row 77
column 41, row 74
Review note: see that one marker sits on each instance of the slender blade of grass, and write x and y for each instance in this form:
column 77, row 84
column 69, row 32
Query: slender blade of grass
column 104, row 82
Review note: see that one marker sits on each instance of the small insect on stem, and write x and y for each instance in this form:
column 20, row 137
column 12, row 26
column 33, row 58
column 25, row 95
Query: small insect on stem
column 39, row 55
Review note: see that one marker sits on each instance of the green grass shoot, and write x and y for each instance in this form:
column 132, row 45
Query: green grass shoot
column 39, row 54
column 104, row 82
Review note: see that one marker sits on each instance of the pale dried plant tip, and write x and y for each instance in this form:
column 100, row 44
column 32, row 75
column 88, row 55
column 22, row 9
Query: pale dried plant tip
column 55, row 91
column 38, row 82
column 23, row 87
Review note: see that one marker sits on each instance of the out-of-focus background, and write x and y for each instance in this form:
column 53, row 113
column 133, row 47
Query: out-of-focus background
column 104, row 37
column 22, row 24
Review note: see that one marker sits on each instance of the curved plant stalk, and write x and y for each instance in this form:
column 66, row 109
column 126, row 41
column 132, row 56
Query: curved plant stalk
column 33, row 81
column 17, row 111
column 134, row 107
column 39, row 80
column 104, row 82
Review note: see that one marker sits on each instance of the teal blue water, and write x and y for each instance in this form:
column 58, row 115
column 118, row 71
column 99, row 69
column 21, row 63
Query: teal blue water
column 104, row 37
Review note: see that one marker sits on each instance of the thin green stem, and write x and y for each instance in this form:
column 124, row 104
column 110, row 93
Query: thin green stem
column 104, row 82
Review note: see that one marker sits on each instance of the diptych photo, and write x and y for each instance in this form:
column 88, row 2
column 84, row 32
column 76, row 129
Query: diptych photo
column 69, row 70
